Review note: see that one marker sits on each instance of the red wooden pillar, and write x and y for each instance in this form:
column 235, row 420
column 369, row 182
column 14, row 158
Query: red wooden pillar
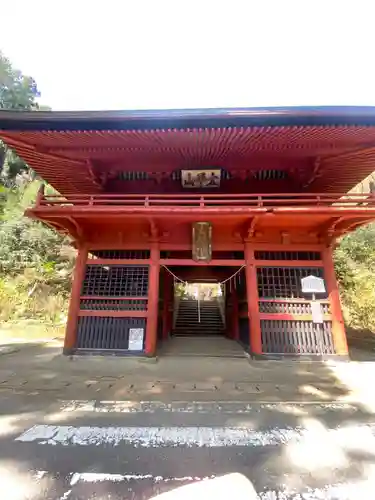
column 74, row 305
column 235, row 316
column 338, row 326
column 255, row 336
column 153, row 300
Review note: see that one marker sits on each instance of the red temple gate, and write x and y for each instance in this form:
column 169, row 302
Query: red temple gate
column 270, row 316
column 277, row 204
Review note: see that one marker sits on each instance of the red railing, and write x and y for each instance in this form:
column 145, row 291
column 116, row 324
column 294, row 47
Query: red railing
column 210, row 200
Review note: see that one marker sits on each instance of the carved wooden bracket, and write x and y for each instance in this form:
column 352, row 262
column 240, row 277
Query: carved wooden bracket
column 157, row 176
column 327, row 232
column 154, row 233
column 251, row 228
column 237, row 236
column 285, row 238
column 247, row 231
column 315, row 173
column 94, row 177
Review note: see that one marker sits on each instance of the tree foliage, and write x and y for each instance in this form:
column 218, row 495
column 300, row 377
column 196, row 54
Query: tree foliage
column 35, row 261
column 18, row 92
column 355, row 268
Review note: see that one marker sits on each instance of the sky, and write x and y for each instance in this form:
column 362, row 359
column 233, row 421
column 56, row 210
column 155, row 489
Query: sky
column 146, row 54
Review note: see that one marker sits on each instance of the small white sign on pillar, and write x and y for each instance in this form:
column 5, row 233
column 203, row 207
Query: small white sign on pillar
column 313, row 284
column 316, row 311
column 136, row 336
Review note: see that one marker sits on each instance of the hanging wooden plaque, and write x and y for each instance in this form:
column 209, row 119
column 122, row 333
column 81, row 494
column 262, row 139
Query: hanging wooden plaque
column 202, row 241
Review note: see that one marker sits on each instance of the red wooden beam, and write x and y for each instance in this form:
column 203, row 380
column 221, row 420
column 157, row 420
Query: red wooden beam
column 284, row 202
column 114, row 314
column 122, row 262
column 268, row 196
column 291, row 317
column 232, row 246
column 292, row 301
column 213, row 262
column 108, row 297
column 308, row 247
column 288, row 263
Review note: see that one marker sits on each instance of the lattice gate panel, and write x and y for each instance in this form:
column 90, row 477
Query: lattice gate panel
column 116, row 281
column 113, row 300
column 287, row 324
column 284, row 282
column 106, row 332
column 296, row 337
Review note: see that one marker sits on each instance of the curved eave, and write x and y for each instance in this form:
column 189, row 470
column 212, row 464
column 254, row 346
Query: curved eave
column 187, row 118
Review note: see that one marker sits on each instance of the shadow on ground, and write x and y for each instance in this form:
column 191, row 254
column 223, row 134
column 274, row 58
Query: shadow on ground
column 41, row 368
column 320, row 397
column 361, row 344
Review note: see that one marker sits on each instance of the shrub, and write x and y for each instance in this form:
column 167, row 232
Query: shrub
column 35, row 261
column 355, row 268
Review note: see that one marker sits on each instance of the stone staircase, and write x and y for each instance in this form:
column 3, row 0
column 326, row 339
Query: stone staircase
column 187, row 322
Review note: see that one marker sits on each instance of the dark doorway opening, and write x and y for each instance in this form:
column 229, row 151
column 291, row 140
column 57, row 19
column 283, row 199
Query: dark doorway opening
column 198, row 317
column 199, row 309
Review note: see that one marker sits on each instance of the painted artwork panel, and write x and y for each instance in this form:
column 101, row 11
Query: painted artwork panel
column 198, row 179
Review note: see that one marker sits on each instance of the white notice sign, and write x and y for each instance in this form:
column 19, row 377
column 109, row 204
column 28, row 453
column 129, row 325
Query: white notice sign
column 313, row 284
column 136, row 339
column 316, row 310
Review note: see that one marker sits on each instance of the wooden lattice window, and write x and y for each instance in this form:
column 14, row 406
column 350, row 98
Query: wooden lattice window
column 120, row 254
column 284, row 282
column 285, row 255
column 116, row 281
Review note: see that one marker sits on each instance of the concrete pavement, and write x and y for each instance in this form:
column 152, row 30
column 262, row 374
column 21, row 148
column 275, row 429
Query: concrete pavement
column 121, row 428
column 93, row 449
column 35, row 369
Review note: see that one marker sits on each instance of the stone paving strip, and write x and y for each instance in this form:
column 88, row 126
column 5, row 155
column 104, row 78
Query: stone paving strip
column 55, row 383
column 193, row 407
column 110, row 389
column 350, row 436
column 240, row 487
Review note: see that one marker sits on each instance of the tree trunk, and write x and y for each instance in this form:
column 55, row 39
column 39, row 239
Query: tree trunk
column 3, row 152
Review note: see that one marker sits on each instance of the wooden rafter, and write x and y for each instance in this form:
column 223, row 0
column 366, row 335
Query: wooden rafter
column 243, row 151
column 355, row 225
column 363, row 149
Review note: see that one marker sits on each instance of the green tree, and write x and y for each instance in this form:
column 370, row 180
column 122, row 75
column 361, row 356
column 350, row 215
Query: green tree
column 35, row 261
column 355, row 268
column 18, row 92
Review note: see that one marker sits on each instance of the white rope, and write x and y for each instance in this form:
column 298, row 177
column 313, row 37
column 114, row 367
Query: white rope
column 175, row 277
column 220, row 282
column 233, row 275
